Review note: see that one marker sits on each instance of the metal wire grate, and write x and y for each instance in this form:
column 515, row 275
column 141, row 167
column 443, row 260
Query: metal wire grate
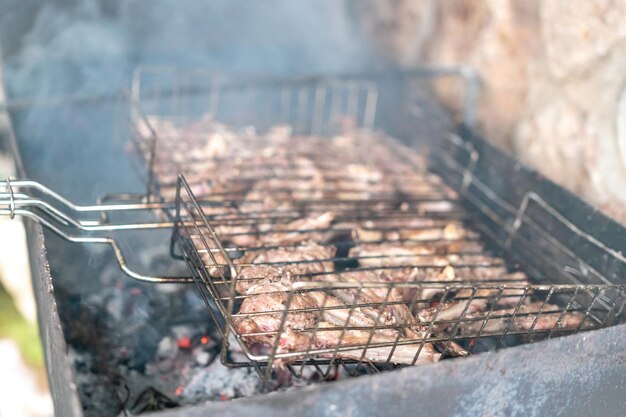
column 342, row 316
column 319, row 242
column 304, row 263
column 367, row 286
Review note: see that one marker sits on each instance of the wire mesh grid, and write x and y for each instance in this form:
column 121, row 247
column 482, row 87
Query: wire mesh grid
column 535, row 233
column 163, row 100
column 361, row 317
column 363, row 274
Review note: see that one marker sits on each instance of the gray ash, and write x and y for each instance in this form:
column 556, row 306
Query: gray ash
column 217, row 382
column 139, row 347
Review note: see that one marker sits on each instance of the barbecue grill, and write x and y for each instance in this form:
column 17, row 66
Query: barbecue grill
column 529, row 262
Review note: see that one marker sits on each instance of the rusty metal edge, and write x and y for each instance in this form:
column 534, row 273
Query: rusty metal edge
column 579, row 375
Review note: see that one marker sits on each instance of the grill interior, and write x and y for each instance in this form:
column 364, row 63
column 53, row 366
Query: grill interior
column 479, row 219
column 309, row 268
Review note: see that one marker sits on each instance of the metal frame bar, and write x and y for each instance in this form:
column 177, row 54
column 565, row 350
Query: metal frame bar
column 56, row 219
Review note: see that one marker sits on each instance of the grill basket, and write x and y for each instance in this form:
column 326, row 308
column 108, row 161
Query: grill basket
column 445, row 290
column 336, row 316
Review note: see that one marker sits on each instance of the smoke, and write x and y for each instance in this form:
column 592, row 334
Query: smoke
column 58, row 48
column 91, row 46
column 68, row 50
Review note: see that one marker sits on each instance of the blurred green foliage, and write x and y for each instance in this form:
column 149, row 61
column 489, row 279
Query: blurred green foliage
column 14, row 326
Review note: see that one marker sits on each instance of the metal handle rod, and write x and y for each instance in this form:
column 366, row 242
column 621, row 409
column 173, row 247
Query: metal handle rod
column 10, row 194
column 102, row 240
column 14, row 200
column 89, row 208
column 15, row 203
column 82, row 225
column 18, row 200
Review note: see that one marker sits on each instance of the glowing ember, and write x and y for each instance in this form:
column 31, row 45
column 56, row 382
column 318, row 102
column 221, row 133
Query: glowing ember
column 184, row 342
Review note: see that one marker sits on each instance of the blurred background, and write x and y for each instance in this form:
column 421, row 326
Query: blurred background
column 551, row 75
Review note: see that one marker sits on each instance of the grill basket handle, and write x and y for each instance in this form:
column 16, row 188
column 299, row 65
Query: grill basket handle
column 51, row 210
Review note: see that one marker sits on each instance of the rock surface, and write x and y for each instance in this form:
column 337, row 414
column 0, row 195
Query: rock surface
column 552, row 75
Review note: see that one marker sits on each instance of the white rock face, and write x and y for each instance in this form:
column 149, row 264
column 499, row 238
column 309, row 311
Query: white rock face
column 399, row 29
column 572, row 108
column 554, row 75
column 564, row 122
column 578, row 33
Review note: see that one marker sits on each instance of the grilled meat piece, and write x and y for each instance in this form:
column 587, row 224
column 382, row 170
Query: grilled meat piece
column 399, row 232
column 398, row 254
column 273, row 264
column 298, row 230
column 273, row 291
column 264, row 311
column 495, row 320
column 469, row 267
column 500, row 319
column 548, row 318
column 451, row 311
column 252, row 275
column 388, row 309
column 362, row 304
column 395, row 350
column 245, row 235
column 307, row 258
column 341, row 314
column 462, row 302
column 379, row 255
column 508, row 297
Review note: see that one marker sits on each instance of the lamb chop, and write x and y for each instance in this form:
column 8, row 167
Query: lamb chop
column 336, row 309
column 379, row 313
column 308, row 258
column 389, row 307
column 272, row 297
column 393, row 313
column 396, row 352
column 411, row 230
column 528, row 313
column 298, row 230
column 252, row 275
column 451, row 311
column 525, row 316
column 381, row 255
column 473, row 267
column 467, row 300
column 398, row 254
column 269, row 296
